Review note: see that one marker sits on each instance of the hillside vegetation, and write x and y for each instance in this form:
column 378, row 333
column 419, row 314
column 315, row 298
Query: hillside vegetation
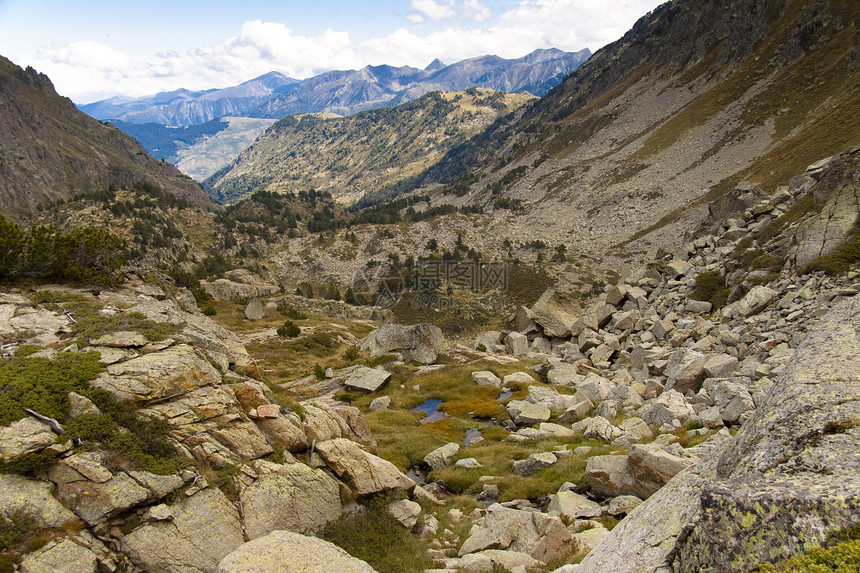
column 349, row 156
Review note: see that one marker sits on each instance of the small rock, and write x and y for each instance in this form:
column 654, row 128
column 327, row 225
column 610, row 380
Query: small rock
column 534, row 463
column 380, row 403
column 442, row 457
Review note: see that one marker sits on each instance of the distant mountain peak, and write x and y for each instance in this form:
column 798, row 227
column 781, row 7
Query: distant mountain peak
column 436, row 64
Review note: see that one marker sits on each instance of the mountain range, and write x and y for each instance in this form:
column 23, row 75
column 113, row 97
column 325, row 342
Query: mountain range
column 190, row 128
column 274, row 95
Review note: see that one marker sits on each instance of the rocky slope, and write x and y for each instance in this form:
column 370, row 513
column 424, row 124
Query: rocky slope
column 53, row 151
column 106, row 512
column 635, row 396
column 694, row 99
column 347, row 156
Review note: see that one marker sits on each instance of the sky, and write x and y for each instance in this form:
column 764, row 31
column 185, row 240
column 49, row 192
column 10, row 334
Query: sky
column 95, row 49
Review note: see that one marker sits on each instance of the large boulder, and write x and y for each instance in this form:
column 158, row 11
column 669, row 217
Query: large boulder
column 241, row 285
column 525, row 413
column 685, row 371
column 24, row 436
column 534, row 463
column 92, row 491
column 204, row 529
column 516, row 343
column 443, row 456
column 652, row 467
column 367, row 379
column 289, row 496
column 552, row 316
column 787, row 479
column 670, row 406
column 420, row 343
column 550, row 398
column 282, row 551
column 365, row 473
column 609, row 476
column 543, row 537
column 63, row 557
column 756, row 300
column 160, row 375
column 19, row 494
column 836, row 212
column 571, row 505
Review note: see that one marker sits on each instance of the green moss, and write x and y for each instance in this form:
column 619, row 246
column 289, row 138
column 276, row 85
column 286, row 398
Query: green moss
column 15, row 527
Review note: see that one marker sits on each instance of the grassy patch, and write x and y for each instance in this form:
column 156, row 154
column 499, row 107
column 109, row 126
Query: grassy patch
column 496, row 459
column 89, row 323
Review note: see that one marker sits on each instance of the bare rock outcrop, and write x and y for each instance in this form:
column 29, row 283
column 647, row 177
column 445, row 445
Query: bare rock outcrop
column 420, row 343
column 786, row 480
column 287, row 551
column 288, row 496
column 203, row 530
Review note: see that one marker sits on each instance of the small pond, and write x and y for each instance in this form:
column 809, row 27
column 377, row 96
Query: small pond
column 471, row 435
column 431, row 409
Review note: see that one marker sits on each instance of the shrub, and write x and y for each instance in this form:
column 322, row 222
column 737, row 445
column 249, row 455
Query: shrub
column 209, row 310
column 373, row 535
column 352, row 354
column 43, row 385
column 319, row 371
column 289, row 329
column 132, row 441
column 285, row 309
column 85, row 254
column 711, row 287
column 841, row 555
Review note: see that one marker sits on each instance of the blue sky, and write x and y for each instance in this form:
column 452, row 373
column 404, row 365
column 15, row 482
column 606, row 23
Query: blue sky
column 96, row 49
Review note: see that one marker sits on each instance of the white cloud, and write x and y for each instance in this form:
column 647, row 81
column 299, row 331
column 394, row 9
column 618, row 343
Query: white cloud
column 86, row 54
column 472, row 10
column 435, row 10
column 89, row 70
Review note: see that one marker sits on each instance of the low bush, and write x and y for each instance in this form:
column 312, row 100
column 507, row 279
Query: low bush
column 43, row 385
column 373, row 535
column 840, row 555
column 711, row 287
column 289, row 329
column 285, row 309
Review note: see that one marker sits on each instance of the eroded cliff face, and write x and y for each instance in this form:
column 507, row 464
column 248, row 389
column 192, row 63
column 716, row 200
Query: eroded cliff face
column 785, row 481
